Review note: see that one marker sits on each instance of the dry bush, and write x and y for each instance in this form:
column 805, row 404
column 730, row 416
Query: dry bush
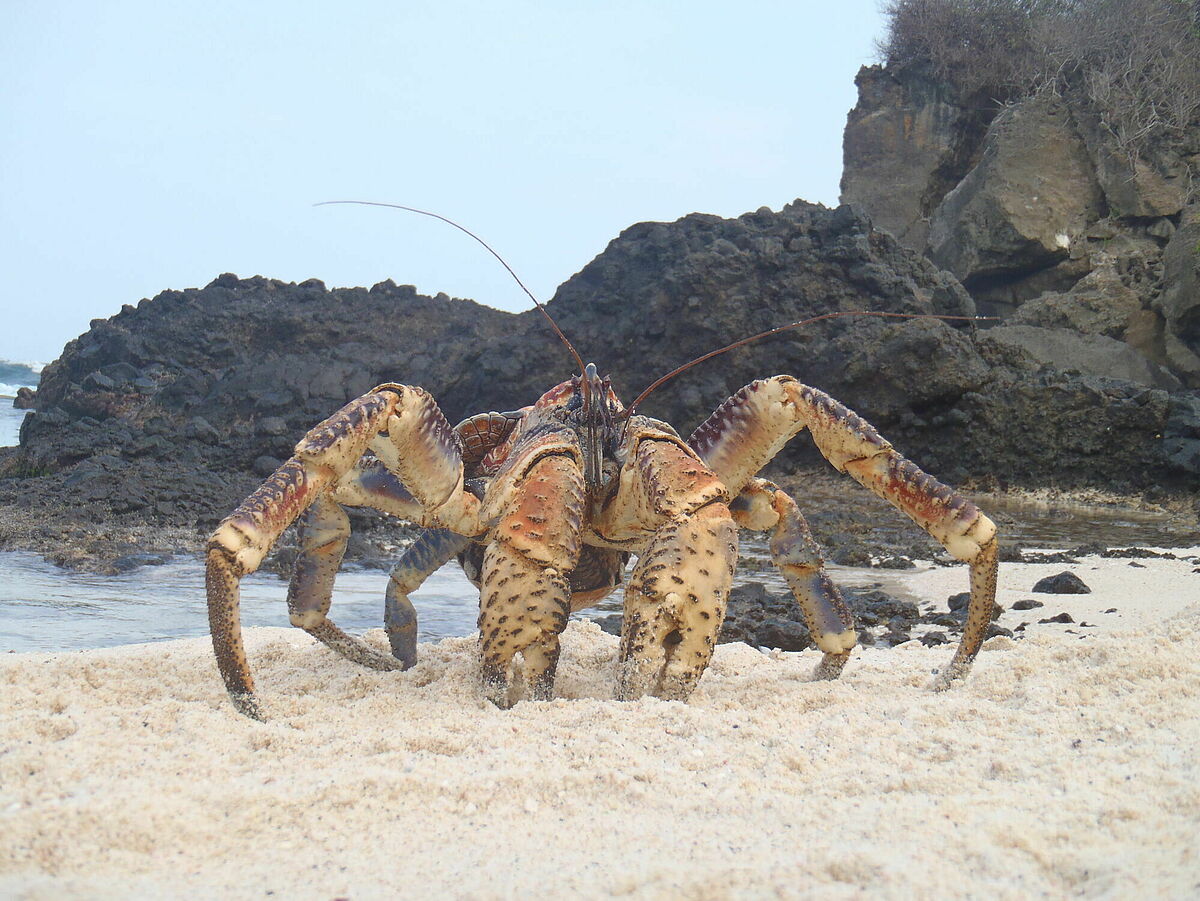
column 1137, row 60
column 1140, row 64
column 986, row 48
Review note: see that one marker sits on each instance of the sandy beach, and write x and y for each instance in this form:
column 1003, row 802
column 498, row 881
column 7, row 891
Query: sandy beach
column 1067, row 764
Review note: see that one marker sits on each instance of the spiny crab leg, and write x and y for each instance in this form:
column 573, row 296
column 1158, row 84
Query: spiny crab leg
column 762, row 505
column 324, row 533
column 753, row 425
column 426, row 555
column 675, row 604
column 405, row 428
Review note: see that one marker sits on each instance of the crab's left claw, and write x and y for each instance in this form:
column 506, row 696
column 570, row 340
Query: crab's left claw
column 525, row 597
column 414, row 444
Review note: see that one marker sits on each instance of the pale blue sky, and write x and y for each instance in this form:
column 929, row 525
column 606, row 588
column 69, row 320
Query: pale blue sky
column 154, row 145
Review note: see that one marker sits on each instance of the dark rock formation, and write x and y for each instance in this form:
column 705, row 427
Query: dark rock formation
column 170, row 412
column 245, row 367
column 1062, row 583
column 25, row 398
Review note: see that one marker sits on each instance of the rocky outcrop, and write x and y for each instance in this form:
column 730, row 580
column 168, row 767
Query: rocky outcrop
column 235, row 370
column 231, row 375
column 1028, row 199
column 1052, row 224
column 170, row 411
column 1179, row 301
column 915, row 135
column 25, row 398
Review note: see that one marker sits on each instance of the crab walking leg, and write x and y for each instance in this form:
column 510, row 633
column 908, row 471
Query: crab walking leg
column 525, row 596
column 432, row 549
column 675, row 604
column 324, row 532
column 420, row 444
column 371, row 484
column 762, row 505
column 235, row 549
column 753, row 425
column 853, row 446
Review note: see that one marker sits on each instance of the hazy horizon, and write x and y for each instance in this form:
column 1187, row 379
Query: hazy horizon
column 153, row 148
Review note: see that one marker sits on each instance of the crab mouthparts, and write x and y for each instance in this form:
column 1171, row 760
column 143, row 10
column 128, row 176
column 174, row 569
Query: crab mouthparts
column 593, row 419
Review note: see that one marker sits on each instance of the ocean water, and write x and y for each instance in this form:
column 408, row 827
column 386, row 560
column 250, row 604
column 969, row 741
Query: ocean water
column 17, row 375
column 45, row 608
column 10, row 422
column 12, row 377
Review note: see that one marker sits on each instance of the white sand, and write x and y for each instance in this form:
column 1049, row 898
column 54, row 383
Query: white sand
column 1067, row 764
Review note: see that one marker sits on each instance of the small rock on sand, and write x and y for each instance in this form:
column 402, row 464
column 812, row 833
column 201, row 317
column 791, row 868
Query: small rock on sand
column 1063, row 583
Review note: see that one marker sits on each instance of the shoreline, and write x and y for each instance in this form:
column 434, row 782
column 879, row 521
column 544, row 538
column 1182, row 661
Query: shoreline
column 1065, row 763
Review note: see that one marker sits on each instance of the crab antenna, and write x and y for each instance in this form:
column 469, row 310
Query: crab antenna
column 487, row 247
column 783, row 328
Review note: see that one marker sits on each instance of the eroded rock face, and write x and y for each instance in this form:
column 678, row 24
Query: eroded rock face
column 1133, row 187
column 1089, row 354
column 1179, row 302
column 1052, row 223
column 1031, row 196
column 909, row 140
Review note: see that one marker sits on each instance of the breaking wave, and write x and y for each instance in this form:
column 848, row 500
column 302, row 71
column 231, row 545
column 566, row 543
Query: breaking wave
column 18, row 375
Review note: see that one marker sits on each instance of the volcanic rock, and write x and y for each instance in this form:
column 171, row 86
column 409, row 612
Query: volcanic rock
column 1063, row 583
column 190, row 397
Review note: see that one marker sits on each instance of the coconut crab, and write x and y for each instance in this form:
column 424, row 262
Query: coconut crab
column 544, row 506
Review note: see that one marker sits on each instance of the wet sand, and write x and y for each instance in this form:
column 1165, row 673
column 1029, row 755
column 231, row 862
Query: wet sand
column 1068, row 763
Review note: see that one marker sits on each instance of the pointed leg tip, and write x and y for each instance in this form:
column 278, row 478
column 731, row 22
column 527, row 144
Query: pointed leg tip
column 246, row 703
column 628, row 692
column 953, row 675
column 495, row 688
column 675, row 692
column 635, row 681
column 541, row 692
column 405, row 658
column 385, row 664
column 500, row 702
column 403, row 642
column 831, row 666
